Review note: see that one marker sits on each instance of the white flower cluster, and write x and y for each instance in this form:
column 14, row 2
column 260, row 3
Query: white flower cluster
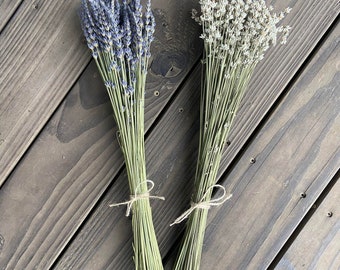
column 243, row 29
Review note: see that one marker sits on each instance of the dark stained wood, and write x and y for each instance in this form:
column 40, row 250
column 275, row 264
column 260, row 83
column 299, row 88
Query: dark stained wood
column 309, row 21
column 297, row 154
column 317, row 245
column 42, row 55
column 55, row 188
column 76, row 156
column 7, row 9
column 104, row 240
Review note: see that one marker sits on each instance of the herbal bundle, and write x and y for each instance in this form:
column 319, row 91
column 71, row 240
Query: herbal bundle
column 119, row 34
column 236, row 34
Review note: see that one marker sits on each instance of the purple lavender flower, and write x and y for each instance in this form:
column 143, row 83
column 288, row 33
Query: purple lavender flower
column 124, row 83
column 149, row 23
column 110, row 84
column 119, row 34
column 129, row 90
column 127, row 34
column 136, row 15
column 119, row 27
column 88, row 26
column 114, row 65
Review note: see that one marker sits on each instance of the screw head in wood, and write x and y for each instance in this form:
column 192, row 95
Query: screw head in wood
column 252, row 160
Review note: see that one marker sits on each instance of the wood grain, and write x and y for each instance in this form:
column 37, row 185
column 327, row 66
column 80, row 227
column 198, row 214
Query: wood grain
column 76, row 156
column 309, row 21
column 44, row 55
column 7, row 9
column 297, row 152
column 317, row 245
column 104, row 241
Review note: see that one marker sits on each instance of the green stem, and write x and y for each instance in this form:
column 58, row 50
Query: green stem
column 147, row 255
column 189, row 257
column 128, row 111
column 220, row 99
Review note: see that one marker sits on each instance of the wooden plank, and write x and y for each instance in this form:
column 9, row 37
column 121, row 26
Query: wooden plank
column 309, row 21
column 297, row 152
column 7, row 9
column 104, row 241
column 76, row 156
column 317, row 245
column 44, row 55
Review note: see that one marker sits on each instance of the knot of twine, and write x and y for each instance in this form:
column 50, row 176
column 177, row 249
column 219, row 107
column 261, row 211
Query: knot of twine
column 138, row 196
column 202, row 204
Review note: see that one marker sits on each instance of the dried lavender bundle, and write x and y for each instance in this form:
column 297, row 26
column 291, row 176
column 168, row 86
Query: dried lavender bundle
column 236, row 34
column 119, row 34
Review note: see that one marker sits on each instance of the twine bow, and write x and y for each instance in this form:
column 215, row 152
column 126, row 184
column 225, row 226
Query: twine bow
column 204, row 204
column 135, row 197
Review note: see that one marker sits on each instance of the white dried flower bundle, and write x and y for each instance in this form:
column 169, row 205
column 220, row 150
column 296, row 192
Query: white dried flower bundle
column 245, row 27
column 119, row 34
column 236, row 34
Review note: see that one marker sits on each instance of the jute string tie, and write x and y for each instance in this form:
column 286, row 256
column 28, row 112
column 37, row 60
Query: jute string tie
column 202, row 204
column 138, row 196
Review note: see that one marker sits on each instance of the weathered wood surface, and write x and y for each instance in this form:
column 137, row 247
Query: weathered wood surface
column 104, row 242
column 76, row 156
column 309, row 21
column 297, row 152
column 7, row 9
column 317, row 245
column 42, row 55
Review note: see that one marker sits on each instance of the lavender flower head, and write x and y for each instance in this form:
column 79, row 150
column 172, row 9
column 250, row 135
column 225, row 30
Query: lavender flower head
column 119, row 28
column 246, row 25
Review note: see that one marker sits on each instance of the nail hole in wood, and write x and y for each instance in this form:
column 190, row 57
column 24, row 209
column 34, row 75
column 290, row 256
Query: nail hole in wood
column 252, row 160
column 181, row 110
column 35, row 6
column 329, row 214
column 303, row 195
column 156, row 93
column 228, row 143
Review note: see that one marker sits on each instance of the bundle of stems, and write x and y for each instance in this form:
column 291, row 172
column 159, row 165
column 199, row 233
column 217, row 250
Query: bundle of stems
column 236, row 34
column 119, row 34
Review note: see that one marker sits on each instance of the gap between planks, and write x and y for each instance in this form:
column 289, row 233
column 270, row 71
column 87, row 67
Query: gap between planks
column 7, row 11
column 323, row 207
column 41, row 63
